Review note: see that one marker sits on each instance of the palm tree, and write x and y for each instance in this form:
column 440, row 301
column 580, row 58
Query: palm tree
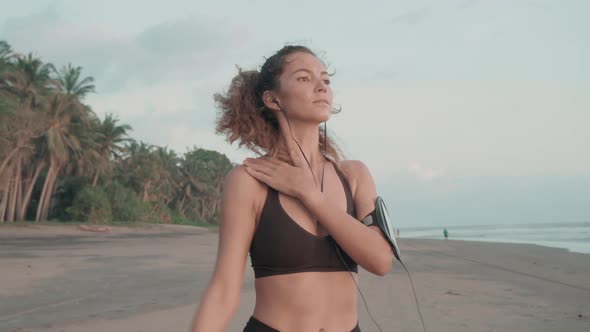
column 5, row 57
column 23, row 84
column 149, row 169
column 137, row 168
column 110, row 139
column 204, row 170
column 5, row 50
column 24, row 81
column 168, row 175
column 5, row 118
column 70, row 82
column 68, row 120
column 48, row 133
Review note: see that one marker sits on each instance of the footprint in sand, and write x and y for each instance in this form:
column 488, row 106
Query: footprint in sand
column 450, row 292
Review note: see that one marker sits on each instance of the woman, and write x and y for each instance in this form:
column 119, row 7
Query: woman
column 296, row 209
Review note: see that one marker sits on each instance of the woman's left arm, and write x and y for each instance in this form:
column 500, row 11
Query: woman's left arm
column 366, row 245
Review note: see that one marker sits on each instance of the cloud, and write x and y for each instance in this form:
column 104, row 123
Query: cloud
column 465, row 4
column 481, row 200
column 191, row 48
column 168, row 72
column 47, row 33
column 466, row 128
column 466, row 109
column 162, row 98
column 415, row 16
column 188, row 36
column 55, row 40
column 424, row 173
column 182, row 136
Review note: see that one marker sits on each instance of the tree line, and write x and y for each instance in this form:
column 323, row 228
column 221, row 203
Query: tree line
column 59, row 160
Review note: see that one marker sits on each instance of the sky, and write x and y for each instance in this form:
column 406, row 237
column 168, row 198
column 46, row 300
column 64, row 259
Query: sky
column 466, row 112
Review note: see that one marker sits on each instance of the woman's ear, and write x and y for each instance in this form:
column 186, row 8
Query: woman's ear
column 271, row 101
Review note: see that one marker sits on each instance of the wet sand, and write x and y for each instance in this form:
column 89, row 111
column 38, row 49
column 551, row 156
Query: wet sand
column 62, row 279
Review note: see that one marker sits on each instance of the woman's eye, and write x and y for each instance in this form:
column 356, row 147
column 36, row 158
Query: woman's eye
column 303, row 78
column 327, row 82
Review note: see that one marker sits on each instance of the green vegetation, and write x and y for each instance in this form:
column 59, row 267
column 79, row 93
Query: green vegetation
column 59, row 161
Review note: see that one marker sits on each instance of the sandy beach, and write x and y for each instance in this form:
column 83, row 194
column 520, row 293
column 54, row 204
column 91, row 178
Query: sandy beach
column 63, row 279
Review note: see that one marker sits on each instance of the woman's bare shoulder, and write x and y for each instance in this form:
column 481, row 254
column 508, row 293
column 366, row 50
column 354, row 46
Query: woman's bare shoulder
column 355, row 172
column 352, row 165
column 240, row 186
column 238, row 177
column 364, row 190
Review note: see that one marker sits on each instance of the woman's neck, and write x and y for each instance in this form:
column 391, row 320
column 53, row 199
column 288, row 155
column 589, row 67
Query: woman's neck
column 308, row 138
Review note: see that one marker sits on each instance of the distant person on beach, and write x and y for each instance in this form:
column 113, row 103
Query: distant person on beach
column 295, row 209
column 446, row 233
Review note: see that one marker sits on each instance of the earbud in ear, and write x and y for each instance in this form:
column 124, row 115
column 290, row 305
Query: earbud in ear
column 276, row 102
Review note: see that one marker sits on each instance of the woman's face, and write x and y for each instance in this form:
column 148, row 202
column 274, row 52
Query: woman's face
column 305, row 93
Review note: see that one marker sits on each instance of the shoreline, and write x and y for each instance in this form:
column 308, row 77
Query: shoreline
column 500, row 242
column 70, row 229
column 66, row 280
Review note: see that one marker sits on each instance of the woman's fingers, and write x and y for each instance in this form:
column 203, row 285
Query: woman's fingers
column 260, row 165
column 283, row 155
column 269, row 160
column 258, row 175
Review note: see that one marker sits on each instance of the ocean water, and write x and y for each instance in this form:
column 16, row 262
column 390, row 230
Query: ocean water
column 572, row 236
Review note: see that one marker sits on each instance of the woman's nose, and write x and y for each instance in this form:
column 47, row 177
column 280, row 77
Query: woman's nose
column 322, row 87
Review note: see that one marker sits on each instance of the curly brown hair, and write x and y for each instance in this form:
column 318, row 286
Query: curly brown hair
column 243, row 116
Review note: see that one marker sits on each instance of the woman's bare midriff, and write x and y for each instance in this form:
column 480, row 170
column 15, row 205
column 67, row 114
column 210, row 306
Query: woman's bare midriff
column 307, row 301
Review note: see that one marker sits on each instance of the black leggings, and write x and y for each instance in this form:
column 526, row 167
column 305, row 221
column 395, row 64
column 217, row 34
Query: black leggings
column 254, row 325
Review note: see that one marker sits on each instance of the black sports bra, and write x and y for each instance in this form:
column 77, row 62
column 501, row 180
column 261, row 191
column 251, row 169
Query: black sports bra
column 281, row 246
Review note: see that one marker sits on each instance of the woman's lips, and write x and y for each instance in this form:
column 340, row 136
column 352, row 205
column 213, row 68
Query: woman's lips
column 323, row 101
